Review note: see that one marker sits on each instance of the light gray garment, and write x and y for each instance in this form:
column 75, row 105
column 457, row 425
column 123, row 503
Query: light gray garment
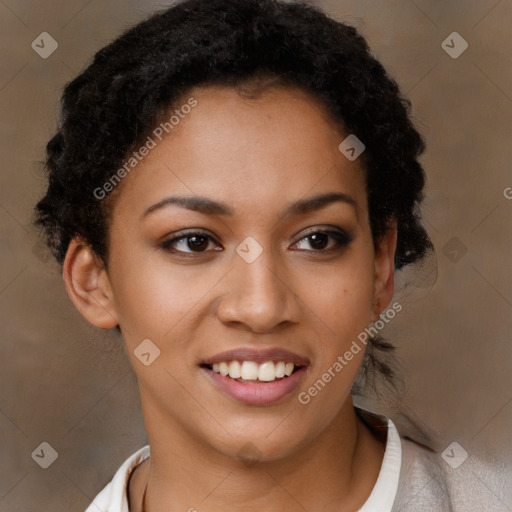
column 429, row 484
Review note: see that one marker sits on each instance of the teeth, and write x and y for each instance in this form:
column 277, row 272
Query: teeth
column 223, row 369
column 235, row 370
column 249, row 370
column 267, row 372
column 280, row 370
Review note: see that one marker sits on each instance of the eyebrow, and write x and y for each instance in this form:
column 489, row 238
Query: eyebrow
column 211, row 207
column 318, row 202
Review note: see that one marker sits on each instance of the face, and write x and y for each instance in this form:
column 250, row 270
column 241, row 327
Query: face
column 245, row 230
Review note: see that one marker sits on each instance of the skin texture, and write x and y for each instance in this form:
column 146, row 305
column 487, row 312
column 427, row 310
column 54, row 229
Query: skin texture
column 257, row 156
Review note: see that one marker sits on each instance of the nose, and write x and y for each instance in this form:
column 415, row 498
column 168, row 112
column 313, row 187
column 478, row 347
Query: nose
column 258, row 296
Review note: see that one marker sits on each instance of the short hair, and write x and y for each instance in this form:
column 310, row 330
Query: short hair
column 111, row 107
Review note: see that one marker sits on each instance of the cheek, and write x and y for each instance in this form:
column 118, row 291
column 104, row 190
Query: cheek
column 156, row 304
column 341, row 310
column 340, row 297
column 160, row 301
column 149, row 299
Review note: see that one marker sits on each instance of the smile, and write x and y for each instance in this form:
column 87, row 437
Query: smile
column 252, row 371
column 256, row 375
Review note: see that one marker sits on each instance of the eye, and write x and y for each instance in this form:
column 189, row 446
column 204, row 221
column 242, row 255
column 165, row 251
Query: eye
column 324, row 241
column 191, row 242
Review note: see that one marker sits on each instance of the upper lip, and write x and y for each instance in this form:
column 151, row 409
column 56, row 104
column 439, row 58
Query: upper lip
column 259, row 356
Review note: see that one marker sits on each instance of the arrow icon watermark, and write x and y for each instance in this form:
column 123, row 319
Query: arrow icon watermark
column 45, row 455
column 454, row 45
column 146, row 352
column 351, row 147
column 249, row 249
column 44, row 45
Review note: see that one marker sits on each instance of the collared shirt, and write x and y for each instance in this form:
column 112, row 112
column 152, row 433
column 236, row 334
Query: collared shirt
column 114, row 497
column 412, row 478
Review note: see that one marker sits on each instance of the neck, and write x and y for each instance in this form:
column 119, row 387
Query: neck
column 334, row 470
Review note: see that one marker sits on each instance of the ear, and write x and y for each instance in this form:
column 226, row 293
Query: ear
column 88, row 285
column 384, row 279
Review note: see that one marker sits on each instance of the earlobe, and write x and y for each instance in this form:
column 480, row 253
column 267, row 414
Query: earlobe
column 384, row 280
column 88, row 285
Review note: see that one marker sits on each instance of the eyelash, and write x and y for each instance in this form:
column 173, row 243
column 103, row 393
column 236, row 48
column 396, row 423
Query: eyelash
column 342, row 239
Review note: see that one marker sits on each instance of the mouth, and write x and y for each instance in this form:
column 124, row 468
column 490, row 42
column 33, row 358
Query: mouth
column 253, row 377
column 251, row 371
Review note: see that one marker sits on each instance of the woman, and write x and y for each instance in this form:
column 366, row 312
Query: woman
column 232, row 186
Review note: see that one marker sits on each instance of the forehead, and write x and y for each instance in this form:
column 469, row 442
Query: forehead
column 265, row 149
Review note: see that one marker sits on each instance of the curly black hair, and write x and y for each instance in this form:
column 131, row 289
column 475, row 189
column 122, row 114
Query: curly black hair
column 133, row 83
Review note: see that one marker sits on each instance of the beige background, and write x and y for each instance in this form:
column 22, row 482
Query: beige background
column 68, row 384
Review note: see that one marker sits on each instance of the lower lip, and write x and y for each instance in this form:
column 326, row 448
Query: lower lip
column 256, row 392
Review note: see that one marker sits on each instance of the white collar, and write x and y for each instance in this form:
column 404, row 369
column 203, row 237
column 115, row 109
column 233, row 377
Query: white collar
column 114, row 497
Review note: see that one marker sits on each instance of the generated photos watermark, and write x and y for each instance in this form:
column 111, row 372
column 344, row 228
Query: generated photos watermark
column 304, row 397
column 151, row 142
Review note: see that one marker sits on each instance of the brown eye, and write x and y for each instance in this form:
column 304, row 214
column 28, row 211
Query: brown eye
column 194, row 242
column 324, row 241
column 319, row 241
column 197, row 243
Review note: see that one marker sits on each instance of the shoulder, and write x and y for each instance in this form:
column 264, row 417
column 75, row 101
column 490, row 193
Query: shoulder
column 114, row 497
column 422, row 484
column 428, row 482
column 461, row 481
